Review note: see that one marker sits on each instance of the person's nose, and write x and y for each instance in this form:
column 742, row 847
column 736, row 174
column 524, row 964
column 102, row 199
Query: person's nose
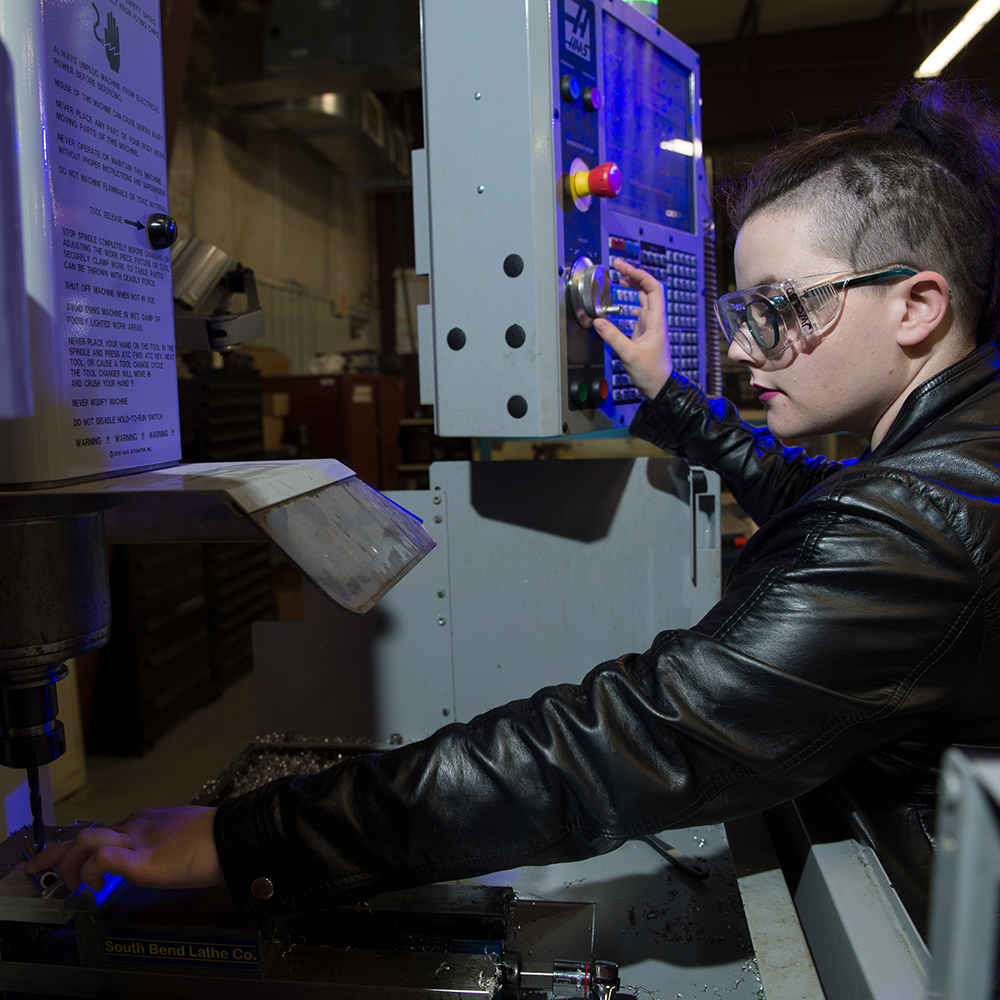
column 739, row 354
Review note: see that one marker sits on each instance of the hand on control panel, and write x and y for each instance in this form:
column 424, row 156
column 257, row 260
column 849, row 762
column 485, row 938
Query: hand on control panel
column 154, row 848
column 646, row 355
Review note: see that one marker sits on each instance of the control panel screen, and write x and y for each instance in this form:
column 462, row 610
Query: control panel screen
column 648, row 128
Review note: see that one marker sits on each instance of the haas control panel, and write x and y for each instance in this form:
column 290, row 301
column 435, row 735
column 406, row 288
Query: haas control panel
column 559, row 136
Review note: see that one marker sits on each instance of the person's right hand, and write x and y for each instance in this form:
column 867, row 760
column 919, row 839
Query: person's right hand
column 646, row 354
column 153, row 848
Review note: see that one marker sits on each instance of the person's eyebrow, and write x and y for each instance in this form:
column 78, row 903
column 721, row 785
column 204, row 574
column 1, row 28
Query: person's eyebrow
column 767, row 279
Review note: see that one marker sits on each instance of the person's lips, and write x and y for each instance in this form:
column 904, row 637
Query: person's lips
column 764, row 394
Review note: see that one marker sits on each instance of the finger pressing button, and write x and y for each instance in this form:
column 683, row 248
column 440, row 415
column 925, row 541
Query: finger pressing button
column 262, row 889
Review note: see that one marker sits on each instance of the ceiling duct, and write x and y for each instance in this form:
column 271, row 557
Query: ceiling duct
column 323, row 63
column 351, row 129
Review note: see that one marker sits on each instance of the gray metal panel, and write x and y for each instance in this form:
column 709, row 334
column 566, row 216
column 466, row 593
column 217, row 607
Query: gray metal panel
column 425, row 337
column 491, row 176
column 562, row 565
column 964, row 901
column 421, row 212
column 863, row 941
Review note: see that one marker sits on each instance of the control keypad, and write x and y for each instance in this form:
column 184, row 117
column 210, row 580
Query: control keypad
column 678, row 272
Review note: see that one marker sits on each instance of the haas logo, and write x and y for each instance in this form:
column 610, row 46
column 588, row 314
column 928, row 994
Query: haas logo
column 579, row 24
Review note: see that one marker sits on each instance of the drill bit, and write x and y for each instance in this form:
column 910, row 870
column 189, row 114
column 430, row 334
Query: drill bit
column 35, row 799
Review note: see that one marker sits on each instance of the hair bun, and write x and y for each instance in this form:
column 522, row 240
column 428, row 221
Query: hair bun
column 914, row 123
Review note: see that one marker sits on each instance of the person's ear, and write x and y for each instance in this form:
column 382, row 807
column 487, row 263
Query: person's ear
column 926, row 300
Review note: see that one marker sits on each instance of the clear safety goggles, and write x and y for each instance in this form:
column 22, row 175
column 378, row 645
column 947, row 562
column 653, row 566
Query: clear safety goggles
column 769, row 318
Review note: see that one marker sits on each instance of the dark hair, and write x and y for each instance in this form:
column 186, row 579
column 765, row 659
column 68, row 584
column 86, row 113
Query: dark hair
column 915, row 183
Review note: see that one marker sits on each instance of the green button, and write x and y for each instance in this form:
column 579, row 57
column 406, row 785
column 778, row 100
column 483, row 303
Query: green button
column 581, row 392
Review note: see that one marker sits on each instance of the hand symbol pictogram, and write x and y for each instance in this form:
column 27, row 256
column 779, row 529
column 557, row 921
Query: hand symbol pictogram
column 112, row 46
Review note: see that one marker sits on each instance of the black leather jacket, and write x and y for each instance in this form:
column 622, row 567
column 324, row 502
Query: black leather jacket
column 857, row 637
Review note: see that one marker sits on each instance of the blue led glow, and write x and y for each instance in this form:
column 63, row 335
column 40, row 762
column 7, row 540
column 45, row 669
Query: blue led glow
column 648, row 118
column 955, row 489
column 112, row 883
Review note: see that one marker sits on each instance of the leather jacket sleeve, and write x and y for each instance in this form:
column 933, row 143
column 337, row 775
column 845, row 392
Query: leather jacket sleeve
column 763, row 475
column 854, row 621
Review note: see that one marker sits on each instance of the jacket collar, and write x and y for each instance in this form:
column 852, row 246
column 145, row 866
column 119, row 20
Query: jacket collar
column 938, row 394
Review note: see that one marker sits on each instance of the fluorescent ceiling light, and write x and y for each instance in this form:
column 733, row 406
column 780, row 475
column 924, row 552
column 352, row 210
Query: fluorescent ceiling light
column 684, row 146
column 978, row 15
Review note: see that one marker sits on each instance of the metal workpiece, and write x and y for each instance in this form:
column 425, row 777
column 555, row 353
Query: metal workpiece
column 46, row 881
column 964, row 903
column 44, row 899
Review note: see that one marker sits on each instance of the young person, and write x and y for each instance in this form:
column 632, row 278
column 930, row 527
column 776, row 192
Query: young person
column 858, row 635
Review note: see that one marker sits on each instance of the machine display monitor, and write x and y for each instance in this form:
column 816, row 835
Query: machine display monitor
column 648, row 128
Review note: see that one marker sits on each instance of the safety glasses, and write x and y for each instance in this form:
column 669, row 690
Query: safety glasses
column 769, row 318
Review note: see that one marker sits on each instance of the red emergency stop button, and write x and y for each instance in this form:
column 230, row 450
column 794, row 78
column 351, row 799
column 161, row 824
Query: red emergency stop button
column 604, row 181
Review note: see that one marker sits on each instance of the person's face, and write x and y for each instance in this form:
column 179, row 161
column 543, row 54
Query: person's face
column 843, row 379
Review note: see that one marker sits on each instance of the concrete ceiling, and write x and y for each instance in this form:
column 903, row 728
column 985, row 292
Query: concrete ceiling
column 699, row 22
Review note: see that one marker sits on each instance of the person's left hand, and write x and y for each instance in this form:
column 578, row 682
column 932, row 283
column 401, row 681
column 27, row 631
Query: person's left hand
column 646, row 354
column 153, row 848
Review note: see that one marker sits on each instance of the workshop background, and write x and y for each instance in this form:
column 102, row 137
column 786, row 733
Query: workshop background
column 315, row 197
